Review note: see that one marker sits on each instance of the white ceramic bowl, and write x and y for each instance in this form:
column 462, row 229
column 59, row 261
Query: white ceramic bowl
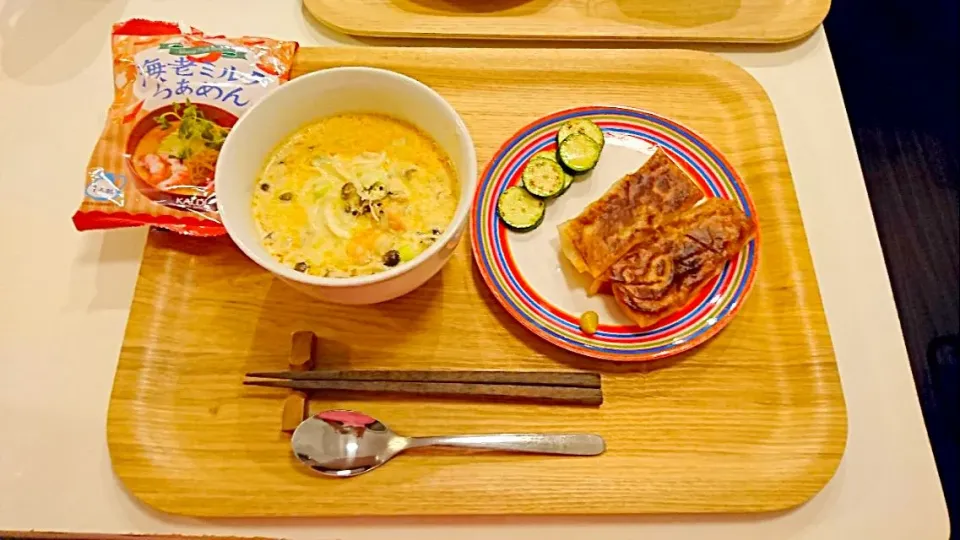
column 325, row 93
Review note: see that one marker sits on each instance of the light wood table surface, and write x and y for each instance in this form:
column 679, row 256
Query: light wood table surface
column 65, row 296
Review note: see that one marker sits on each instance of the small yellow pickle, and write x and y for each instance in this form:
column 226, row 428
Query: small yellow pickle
column 589, row 322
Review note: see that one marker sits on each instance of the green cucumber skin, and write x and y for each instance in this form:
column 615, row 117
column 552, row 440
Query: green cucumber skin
column 584, row 126
column 576, row 146
column 509, row 200
column 530, row 181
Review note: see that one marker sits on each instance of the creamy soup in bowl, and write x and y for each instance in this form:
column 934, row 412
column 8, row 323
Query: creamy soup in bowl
column 353, row 194
column 352, row 184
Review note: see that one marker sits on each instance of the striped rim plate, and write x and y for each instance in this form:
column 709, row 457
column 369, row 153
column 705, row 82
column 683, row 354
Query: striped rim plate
column 539, row 288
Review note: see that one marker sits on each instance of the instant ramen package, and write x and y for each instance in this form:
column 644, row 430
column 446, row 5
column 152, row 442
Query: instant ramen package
column 177, row 93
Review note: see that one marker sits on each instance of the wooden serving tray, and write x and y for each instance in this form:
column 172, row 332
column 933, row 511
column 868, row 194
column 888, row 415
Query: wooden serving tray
column 752, row 421
column 723, row 21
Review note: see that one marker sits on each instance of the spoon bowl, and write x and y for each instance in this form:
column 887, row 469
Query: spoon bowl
column 344, row 443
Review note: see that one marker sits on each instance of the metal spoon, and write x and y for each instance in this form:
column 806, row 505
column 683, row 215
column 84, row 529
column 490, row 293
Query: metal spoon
column 347, row 443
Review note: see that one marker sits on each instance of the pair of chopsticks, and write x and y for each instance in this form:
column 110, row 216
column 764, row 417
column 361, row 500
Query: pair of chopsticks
column 541, row 386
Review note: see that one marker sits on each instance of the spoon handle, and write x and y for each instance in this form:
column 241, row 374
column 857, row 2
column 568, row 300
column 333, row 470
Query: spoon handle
column 570, row 445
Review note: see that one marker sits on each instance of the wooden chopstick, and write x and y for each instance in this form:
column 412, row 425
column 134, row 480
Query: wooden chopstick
column 553, row 394
column 532, row 378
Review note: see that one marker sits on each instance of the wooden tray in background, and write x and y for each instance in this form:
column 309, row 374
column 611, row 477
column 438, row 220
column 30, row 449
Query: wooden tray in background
column 752, row 421
column 718, row 21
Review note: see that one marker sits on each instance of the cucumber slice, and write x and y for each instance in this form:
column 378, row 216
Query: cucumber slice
column 552, row 156
column 583, row 126
column 579, row 153
column 567, row 182
column 546, row 154
column 543, row 178
column 520, row 210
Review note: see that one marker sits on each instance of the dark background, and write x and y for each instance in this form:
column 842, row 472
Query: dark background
column 898, row 62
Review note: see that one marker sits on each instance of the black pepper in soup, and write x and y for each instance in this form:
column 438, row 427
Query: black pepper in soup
column 391, row 258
